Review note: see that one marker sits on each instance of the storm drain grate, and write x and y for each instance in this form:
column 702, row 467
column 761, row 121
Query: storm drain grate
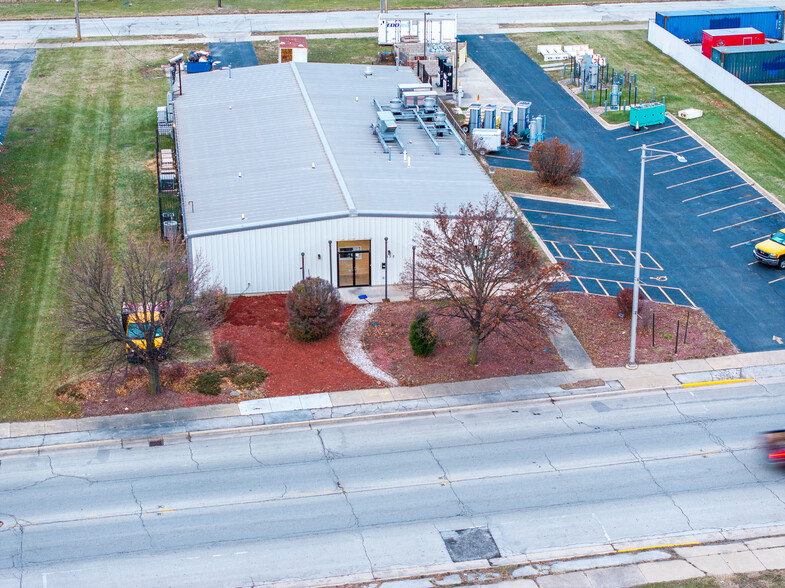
column 470, row 544
column 156, row 443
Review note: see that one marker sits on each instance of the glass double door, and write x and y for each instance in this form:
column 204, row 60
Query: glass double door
column 354, row 263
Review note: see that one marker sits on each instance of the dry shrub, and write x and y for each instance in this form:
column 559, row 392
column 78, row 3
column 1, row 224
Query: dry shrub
column 555, row 162
column 315, row 309
column 226, row 352
column 624, row 301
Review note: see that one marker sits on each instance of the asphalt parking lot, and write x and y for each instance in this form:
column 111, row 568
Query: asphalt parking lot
column 15, row 66
column 701, row 219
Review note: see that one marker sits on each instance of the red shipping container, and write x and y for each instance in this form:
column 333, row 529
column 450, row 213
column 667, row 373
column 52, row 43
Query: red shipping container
column 729, row 38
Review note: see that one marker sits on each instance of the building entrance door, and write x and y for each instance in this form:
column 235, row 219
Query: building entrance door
column 354, row 263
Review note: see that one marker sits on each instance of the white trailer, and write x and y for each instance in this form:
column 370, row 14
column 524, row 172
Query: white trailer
column 486, row 140
column 440, row 30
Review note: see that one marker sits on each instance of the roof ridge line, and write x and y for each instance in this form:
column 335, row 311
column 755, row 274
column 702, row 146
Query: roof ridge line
column 347, row 195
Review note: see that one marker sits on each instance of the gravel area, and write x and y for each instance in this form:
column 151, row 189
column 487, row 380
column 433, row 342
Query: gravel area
column 351, row 344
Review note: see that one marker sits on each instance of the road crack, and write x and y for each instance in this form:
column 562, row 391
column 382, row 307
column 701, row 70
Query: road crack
column 193, row 459
column 662, row 489
column 561, row 414
column 463, row 424
column 465, row 510
column 141, row 516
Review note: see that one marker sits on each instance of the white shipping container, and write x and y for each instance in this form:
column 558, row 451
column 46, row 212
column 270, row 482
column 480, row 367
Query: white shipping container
column 440, row 30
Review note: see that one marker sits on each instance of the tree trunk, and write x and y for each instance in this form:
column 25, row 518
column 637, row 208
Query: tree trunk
column 475, row 349
column 155, row 376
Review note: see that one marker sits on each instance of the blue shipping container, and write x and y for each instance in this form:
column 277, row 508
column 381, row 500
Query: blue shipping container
column 688, row 25
column 753, row 64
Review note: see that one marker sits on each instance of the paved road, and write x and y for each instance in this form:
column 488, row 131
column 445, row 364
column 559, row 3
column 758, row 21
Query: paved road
column 470, row 20
column 373, row 496
column 700, row 218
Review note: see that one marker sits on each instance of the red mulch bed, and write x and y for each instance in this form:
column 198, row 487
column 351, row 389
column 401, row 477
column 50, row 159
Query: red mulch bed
column 388, row 345
column 606, row 336
column 259, row 327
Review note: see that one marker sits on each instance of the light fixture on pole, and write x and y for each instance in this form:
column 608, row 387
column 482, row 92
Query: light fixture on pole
column 647, row 154
column 425, row 36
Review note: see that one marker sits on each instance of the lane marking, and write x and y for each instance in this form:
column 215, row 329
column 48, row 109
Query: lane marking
column 507, row 157
column 591, row 248
column 666, row 296
column 747, row 221
column 661, row 142
column 727, row 171
column 663, row 289
column 577, row 255
column 639, row 133
column 647, row 261
column 582, row 230
column 610, row 220
column 667, row 171
column 581, row 284
column 603, row 288
column 749, row 241
column 777, row 280
column 657, row 547
column 716, row 192
column 730, row 206
column 736, row 381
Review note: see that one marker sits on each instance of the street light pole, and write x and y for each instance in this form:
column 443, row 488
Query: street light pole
column 636, row 286
column 425, row 37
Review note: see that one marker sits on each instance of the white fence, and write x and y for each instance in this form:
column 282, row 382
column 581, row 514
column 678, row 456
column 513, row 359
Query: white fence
column 745, row 96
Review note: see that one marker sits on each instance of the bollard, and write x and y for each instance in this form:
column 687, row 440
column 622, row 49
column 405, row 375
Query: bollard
column 676, row 351
column 686, row 326
column 652, row 329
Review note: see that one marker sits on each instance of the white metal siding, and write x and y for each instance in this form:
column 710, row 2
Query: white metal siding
column 268, row 260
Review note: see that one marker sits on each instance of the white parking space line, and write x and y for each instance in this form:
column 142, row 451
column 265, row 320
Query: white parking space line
column 749, row 241
column 777, row 280
column 581, row 230
column 746, row 221
column 612, row 220
column 730, row 206
column 716, row 192
column 660, row 142
column 667, row 171
column 727, row 171
column 639, row 133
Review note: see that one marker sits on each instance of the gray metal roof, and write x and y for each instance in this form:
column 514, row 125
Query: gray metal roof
column 286, row 118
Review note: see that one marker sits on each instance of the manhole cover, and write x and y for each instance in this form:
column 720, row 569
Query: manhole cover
column 470, row 544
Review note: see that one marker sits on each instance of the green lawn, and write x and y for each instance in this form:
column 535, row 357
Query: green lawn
column 81, row 135
column 751, row 145
column 29, row 9
column 774, row 92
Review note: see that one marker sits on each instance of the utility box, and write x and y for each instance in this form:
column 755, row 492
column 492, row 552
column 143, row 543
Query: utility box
column 730, row 38
column 647, row 114
column 759, row 64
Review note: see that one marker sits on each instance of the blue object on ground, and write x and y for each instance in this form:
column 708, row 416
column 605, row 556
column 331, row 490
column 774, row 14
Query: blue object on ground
column 239, row 54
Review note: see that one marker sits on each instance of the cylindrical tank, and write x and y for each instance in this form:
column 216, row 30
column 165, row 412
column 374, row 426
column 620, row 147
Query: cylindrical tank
column 534, row 130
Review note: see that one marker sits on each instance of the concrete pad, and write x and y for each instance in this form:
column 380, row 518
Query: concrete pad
column 571, row 580
column 734, row 361
column 607, row 561
column 284, row 403
column 552, row 379
column 256, row 406
column 766, row 542
column 668, row 571
column 713, row 565
column 519, row 583
column 373, row 395
column 406, row 392
column 451, row 580
column 287, row 416
column 28, row 429
column 743, row 562
column 648, row 382
column 61, row 426
column 319, row 400
column 415, row 583
column 491, row 384
column 773, row 558
column 701, row 550
column 693, row 365
column 436, row 390
column 521, row 382
column 346, row 397
column 755, row 533
column 568, row 553
column 5, row 430
column 619, row 577
column 524, row 571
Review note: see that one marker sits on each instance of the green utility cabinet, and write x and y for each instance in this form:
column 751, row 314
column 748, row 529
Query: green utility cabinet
column 647, row 114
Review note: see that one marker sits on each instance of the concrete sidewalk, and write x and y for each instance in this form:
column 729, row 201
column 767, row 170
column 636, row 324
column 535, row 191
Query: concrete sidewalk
column 763, row 367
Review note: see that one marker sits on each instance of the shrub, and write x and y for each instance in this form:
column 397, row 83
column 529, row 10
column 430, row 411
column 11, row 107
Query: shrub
column 555, row 163
column 624, row 301
column 208, row 383
column 248, row 376
column 226, row 352
column 421, row 335
column 314, row 309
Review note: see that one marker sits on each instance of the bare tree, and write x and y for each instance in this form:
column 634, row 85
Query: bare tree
column 555, row 162
column 486, row 270
column 170, row 303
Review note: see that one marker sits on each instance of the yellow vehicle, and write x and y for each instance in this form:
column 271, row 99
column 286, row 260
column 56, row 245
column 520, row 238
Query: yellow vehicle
column 137, row 322
column 772, row 250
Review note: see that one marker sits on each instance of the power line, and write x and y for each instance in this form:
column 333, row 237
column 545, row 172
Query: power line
column 123, row 47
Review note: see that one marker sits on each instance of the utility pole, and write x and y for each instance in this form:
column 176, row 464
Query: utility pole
column 425, row 37
column 78, row 28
